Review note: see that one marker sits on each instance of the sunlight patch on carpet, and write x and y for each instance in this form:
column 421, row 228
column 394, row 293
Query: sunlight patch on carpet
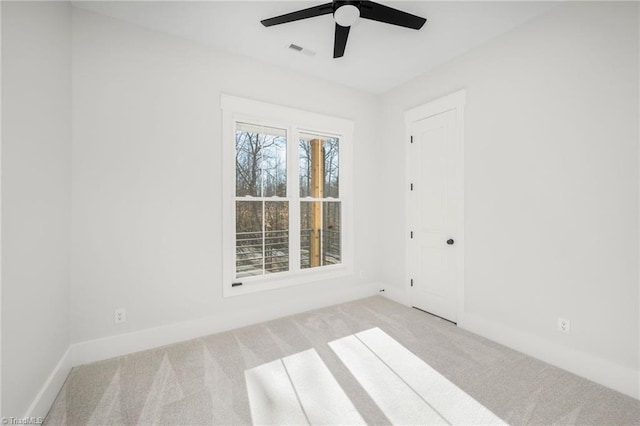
column 405, row 388
column 298, row 389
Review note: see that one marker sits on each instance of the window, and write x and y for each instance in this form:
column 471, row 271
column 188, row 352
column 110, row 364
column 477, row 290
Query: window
column 286, row 177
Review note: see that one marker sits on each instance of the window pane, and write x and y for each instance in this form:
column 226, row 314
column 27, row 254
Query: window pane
column 304, row 154
column 248, row 164
column 331, row 227
column 318, row 166
column 249, row 244
column 259, row 249
column 276, row 236
column 320, row 227
column 261, row 161
column 331, row 168
column 275, row 166
column 308, row 236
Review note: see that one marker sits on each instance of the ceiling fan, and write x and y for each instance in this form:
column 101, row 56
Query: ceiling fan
column 346, row 13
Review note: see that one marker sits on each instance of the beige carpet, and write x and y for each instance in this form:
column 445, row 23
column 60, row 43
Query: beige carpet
column 204, row 381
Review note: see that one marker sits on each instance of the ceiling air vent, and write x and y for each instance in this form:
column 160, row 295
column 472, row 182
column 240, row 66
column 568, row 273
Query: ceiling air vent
column 301, row 49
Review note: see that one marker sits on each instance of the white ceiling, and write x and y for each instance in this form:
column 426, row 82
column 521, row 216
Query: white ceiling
column 378, row 56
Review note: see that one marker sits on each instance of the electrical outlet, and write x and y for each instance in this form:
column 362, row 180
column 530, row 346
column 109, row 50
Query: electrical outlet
column 564, row 325
column 119, row 315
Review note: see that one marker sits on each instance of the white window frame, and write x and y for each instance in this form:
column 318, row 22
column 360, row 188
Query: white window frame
column 295, row 121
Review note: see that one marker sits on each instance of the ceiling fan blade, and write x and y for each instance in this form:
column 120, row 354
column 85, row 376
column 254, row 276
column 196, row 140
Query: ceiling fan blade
column 311, row 12
column 342, row 33
column 381, row 13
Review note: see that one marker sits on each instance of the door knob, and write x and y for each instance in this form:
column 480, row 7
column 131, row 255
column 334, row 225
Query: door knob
column 450, row 241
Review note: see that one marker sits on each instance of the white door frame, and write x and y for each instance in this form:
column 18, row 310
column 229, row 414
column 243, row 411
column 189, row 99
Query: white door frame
column 454, row 101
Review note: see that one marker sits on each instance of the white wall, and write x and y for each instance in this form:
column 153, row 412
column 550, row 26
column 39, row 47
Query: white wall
column 551, row 182
column 551, row 176
column 36, row 187
column 146, row 221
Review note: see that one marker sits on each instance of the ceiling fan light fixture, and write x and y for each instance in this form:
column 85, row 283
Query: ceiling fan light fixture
column 346, row 15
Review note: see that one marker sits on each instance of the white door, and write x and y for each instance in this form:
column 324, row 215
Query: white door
column 434, row 219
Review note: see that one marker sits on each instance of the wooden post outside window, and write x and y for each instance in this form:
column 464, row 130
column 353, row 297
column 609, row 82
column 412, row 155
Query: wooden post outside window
column 317, row 191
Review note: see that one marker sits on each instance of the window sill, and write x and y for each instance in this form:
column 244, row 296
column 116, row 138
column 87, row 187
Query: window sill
column 265, row 283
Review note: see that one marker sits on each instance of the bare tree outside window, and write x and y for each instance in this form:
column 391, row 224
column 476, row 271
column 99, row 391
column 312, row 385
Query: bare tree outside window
column 262, row 226
column 262, row 207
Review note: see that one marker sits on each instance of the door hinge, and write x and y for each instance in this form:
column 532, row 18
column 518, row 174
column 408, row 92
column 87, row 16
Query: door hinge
column 411, row 282
column 411, row 234
column 411, row 139
column 412, row 187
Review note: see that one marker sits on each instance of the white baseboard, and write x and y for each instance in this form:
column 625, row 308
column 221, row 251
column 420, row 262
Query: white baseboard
column 396, row 294
column 618, row 377
column 123, row 344
column 43, row 401
column 614, row 376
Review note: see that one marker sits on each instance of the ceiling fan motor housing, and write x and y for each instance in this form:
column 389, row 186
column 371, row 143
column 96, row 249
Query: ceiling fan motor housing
column 346, row 12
